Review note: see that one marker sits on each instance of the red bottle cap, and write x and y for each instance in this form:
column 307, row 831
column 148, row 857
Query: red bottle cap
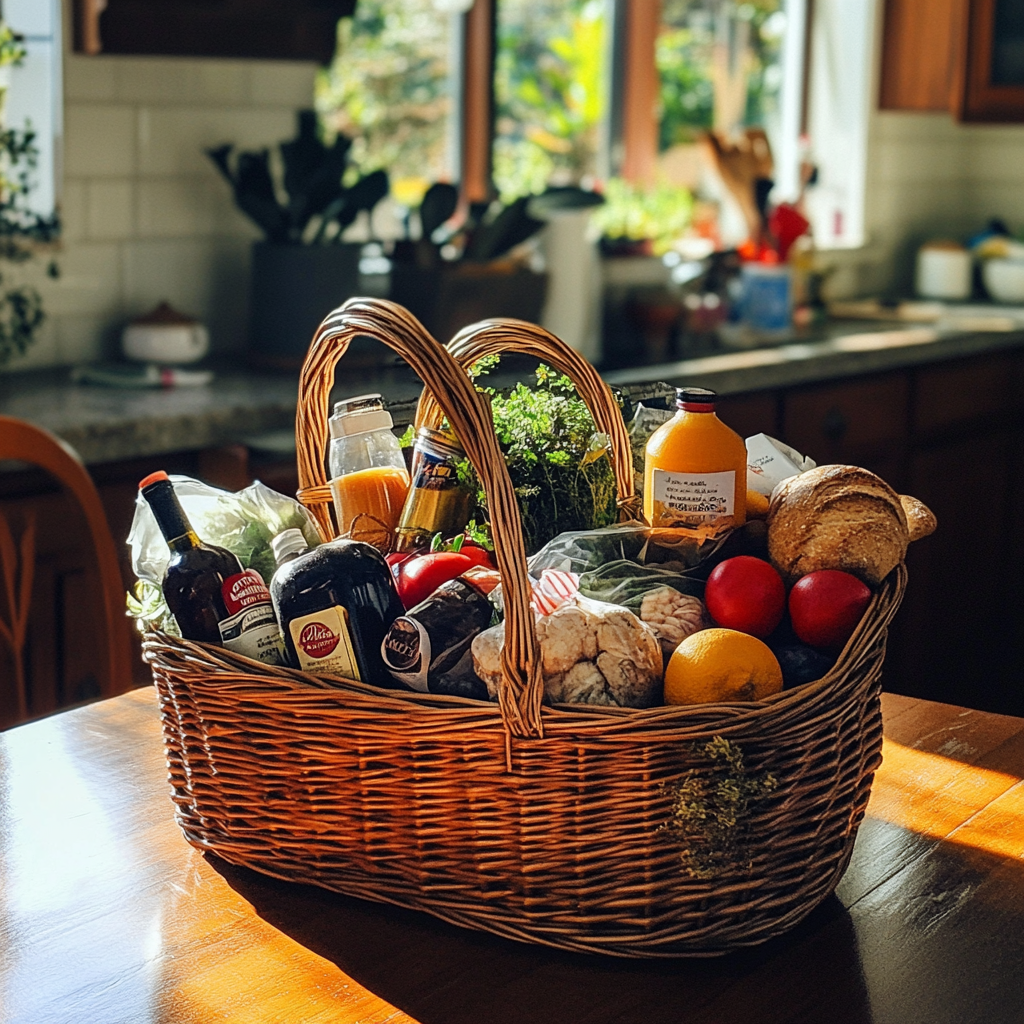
column 695, row 399
column 153, row 478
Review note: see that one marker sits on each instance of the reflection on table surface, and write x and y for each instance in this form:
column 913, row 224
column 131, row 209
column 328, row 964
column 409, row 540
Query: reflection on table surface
column 108, row 915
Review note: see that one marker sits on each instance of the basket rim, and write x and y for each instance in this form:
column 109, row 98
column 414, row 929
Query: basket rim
column 236, row 670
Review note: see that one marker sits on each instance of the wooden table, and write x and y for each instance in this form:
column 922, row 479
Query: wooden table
column 108, row 916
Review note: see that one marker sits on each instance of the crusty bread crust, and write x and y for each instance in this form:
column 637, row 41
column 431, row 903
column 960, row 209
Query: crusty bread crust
column 837, row 517
column 920, row 518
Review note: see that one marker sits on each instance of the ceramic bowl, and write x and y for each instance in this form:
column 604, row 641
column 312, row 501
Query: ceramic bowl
column 1004, row 279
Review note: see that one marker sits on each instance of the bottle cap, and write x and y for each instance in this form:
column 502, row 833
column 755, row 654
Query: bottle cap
column 359, row 416
column 696, row 399
column 153, row 478
column 288, row 542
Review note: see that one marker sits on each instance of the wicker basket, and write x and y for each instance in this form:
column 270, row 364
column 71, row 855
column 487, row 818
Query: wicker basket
column 537, row 823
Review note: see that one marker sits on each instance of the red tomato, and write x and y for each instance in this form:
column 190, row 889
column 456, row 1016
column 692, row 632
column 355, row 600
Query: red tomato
column 420, row 576
column 746, row 594
column 477, row 554
column 825, row 607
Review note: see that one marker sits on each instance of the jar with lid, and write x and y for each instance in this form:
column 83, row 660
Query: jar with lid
column 369, row 481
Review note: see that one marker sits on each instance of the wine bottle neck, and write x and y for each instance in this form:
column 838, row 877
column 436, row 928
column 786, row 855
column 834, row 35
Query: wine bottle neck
column 170, row 516
column 186, row 542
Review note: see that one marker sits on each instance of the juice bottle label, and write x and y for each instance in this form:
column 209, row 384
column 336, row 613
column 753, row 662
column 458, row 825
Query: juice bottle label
column 323, row 643
column 691, row 499
column 250, row 628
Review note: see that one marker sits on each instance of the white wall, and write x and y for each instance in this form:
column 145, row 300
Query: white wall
column 146, row 215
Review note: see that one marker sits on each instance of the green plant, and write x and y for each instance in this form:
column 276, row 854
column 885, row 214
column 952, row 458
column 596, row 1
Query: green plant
column 661, row 212
column 558, row 464
column 21, row 228
column 321, row 188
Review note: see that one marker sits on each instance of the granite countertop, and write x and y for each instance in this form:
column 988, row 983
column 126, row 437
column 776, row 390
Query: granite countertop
column 105, row 424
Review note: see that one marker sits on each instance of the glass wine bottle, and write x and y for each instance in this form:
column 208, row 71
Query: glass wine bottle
column 212, row 598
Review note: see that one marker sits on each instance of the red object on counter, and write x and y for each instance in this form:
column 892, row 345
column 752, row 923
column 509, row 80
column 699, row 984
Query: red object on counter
column 787, row 224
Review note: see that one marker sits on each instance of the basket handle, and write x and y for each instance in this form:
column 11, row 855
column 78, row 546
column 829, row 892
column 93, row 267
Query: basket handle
column 469, row 413
column 493, row 337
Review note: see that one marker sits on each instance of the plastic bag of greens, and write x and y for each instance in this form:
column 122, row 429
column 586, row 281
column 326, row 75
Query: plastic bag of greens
column 584, row 551
column 243, row 522
column 625, row 583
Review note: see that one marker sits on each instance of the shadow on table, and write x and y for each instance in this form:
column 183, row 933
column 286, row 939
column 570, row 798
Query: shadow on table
column 440, row 974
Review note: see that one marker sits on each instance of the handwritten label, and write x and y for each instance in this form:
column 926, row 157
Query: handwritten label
column 690, row 499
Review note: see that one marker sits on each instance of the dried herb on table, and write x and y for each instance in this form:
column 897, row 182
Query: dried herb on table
column 712, row 807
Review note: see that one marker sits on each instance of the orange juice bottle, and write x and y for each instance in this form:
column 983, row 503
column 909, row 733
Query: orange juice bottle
column 695, row 472
column 369, row 481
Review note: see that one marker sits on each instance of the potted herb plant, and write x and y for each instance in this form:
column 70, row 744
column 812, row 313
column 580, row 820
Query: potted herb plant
column 301, row 269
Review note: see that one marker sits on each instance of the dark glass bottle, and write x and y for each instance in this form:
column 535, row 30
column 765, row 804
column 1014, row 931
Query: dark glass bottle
column 211, row 597
column 334, row 603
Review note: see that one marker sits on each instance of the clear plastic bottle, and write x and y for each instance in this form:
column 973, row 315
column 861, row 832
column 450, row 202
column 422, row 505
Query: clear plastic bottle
column 368, row 474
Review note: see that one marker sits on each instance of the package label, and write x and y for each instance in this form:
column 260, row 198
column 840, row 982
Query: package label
column 406, row 652
column 251, row 627
column 323, row 643
column 690, row 499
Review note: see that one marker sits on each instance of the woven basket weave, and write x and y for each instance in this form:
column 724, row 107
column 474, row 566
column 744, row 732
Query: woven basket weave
column 537, row 823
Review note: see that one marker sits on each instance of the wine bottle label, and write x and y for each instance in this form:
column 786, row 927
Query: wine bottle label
column 323, row 643
column 406, row 652
column 250, row 628
column 690, row 499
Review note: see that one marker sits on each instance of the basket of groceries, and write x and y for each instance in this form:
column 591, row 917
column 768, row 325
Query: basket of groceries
column 611, row 688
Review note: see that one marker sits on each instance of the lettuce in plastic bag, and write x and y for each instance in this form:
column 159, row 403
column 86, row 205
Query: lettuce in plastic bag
column 243, row 522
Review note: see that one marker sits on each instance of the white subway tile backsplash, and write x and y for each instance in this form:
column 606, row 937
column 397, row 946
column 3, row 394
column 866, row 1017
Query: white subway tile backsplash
column 172, row 140
column 286, row 84
column 42, row 352
column 111, row 208
column 178, row 207
column 89, row 78
column 73, row 211
column 182, row 80
column 86, row 339
column 89, row 282
column 99, row 140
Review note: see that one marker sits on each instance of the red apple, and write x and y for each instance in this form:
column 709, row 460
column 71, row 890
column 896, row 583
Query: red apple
column 825, row 607
column 746, row 594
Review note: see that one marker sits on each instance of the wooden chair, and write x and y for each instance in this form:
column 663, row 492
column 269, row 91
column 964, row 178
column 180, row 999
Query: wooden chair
column 27, row 443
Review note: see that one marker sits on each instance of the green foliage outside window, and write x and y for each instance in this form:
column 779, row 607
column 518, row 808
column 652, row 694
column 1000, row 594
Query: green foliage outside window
column 549, row 87
column 389, row 89
column 685, row 58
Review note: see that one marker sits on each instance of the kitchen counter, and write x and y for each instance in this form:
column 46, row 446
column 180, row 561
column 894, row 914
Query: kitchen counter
column 106, row 425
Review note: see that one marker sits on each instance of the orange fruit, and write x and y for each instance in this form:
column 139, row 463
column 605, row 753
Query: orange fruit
column 757, row 505
column 721, row 665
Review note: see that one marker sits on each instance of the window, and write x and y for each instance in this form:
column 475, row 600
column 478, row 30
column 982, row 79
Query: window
column 35, row 91
column 550, row 83
column 516, row 95
column 392, row 87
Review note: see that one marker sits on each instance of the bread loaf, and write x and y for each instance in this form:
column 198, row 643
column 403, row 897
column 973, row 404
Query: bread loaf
column 920, row 518
column 840, row 517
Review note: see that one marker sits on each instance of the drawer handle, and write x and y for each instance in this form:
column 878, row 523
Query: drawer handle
column 834, row 425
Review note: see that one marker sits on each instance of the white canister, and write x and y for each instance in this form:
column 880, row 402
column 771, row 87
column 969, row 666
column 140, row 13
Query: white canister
column 165, row 336
column 943, row 271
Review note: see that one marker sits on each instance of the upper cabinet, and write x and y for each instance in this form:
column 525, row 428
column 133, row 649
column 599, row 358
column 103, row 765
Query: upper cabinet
column 272, row 29
column 965, row 56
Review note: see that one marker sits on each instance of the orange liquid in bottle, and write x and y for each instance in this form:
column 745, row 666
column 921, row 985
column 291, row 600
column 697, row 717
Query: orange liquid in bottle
column 695, row 473
column 379, row 492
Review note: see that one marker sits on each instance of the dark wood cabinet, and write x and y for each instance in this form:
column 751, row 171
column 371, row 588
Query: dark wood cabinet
column 272, row 29
column 965, row 56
